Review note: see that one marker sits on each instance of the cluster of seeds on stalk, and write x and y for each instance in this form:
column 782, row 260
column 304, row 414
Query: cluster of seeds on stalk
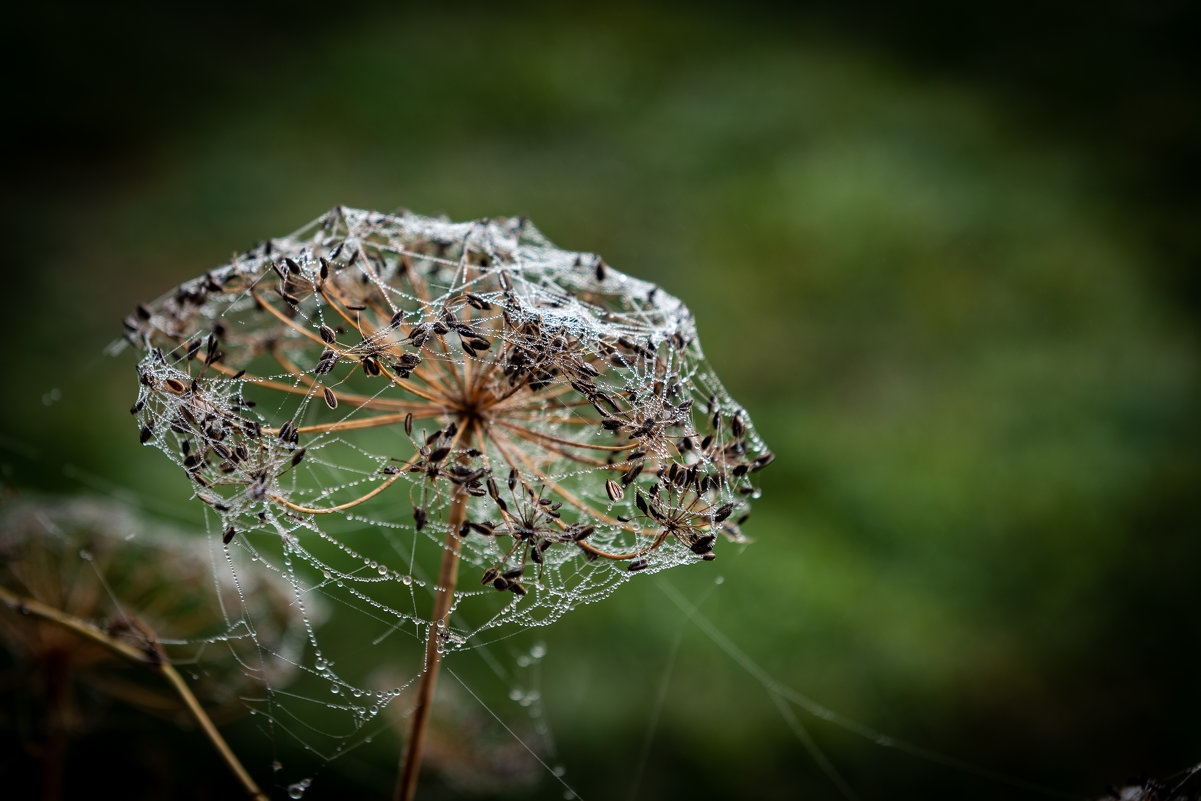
column 572, row 412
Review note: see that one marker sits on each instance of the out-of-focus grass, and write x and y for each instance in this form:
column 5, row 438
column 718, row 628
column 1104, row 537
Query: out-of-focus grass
column 980, row 533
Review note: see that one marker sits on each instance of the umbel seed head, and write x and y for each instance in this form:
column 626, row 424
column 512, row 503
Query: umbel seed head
column 376, row 370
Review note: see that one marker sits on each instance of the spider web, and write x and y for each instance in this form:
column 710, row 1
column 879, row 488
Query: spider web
column 444, row 433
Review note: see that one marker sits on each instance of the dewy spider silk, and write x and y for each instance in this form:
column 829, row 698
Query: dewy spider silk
column 376, row 394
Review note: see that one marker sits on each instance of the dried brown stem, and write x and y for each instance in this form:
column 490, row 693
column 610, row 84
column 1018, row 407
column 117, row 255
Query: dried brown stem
column 406, row 786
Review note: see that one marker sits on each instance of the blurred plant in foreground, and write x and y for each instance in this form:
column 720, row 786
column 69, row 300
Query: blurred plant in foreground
column 96, row 587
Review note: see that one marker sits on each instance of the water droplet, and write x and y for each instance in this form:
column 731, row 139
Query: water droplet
column 515, row 694
column 523, row 661
column 382, row 570
column 254, row 557
column 559, row 770
column 296, row 790
column 538, row 651
column 85, row 554
column 333, row 688
column 719, row 580
column 407, row 580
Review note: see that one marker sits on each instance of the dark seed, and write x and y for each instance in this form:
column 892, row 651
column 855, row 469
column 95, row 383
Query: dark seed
column 331, row 400
column 763, row 461
column 326, row 362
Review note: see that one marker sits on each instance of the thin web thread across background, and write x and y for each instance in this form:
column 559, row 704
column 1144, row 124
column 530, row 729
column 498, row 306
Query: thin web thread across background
column 348, row 399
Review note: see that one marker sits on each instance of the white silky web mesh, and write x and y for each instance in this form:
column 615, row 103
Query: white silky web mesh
column 354, row 400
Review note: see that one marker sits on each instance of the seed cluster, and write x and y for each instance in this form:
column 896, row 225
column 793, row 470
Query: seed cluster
column 556, row 416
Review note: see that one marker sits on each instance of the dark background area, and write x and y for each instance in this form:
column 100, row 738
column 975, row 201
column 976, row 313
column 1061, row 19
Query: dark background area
column 947, row 257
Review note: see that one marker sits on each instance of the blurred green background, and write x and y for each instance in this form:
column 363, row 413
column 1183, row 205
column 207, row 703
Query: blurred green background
column 947, row 258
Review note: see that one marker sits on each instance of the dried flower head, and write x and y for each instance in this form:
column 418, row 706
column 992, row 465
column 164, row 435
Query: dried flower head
column 371, row 381
column 554, row 416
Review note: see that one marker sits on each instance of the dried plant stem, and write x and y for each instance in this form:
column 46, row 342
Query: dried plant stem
column 406, row 787
column 54, row 753
column 148, row 658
